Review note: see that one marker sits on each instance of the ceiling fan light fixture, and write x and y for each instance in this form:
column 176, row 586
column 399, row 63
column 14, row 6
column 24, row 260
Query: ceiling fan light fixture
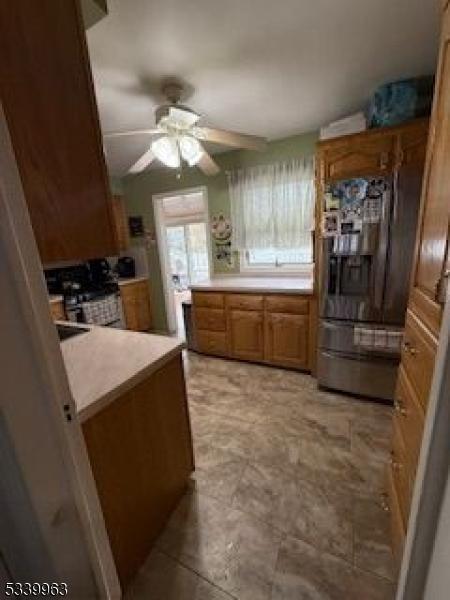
column 166, row 150
column 191, row 149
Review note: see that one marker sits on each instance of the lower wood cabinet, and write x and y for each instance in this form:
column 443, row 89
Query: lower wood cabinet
column 391, row 504
column 286, row 340
column 136, row 305
column 246, row 334
column 57, row 310
column 212, row 342
column 140, row 450
column 276, row 329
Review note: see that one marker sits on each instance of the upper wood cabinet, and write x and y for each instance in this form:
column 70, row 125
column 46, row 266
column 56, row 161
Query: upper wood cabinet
column 120, row 223
column 372, row 152
column 245, row 328
column 432, row 262
column 49, row 103
column 412, row 145
column 370, row 156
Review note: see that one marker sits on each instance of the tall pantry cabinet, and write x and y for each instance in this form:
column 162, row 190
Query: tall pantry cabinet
column 425, row 306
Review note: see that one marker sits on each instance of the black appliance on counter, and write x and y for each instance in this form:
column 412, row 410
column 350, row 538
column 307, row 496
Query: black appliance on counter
column 126, row 267
column 83, row 284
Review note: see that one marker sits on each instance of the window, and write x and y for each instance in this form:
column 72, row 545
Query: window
column 273, row 215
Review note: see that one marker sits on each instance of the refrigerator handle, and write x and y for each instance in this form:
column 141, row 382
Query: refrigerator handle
column 382, row 253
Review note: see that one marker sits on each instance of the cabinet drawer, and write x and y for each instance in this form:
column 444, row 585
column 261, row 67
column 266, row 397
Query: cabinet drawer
column 212, row 319
column 295, row 305
column 400, row 473
column 398, row 532
column 208, row 299
column 409, row 417
column 245, row 301
column 212, row 342
column 418, row 356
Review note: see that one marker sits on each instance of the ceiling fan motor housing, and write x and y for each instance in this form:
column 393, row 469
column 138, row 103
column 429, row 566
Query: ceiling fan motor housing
column 164, row 110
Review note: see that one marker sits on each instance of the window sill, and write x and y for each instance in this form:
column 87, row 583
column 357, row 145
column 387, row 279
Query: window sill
column 304, row 271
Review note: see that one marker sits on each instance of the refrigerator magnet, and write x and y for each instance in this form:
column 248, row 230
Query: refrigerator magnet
column 330, row 224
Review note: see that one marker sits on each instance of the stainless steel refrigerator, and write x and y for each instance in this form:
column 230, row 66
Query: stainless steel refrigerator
column 368, row 237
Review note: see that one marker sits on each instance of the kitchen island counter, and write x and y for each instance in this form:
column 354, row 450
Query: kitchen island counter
column 104, row 363
column 130, row 394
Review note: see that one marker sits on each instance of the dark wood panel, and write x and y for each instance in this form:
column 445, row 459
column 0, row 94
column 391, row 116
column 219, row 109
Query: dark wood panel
column 48, row 99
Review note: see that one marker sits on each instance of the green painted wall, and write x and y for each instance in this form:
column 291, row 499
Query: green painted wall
column 116, row 185
column 138, row 191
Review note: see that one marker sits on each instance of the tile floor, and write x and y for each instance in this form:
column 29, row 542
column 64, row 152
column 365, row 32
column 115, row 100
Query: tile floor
column 284, row 502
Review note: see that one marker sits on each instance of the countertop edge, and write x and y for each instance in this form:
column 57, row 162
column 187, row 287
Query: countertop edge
column 249, row 290
column 102, row 402
column 131, row 280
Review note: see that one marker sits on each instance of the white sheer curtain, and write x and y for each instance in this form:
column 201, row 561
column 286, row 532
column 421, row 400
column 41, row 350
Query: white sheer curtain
column 272, row 206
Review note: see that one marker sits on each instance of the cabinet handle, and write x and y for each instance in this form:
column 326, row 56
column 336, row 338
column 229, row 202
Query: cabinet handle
column 397, row 466
column 409, row 348
column 384, row 502
column 399, row 407
column 442, row 287
column 384, row 160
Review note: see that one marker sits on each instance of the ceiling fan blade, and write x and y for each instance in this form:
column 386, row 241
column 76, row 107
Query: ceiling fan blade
column 142, row 162
column 231, row 138
column 207, row 165
column 116, row 134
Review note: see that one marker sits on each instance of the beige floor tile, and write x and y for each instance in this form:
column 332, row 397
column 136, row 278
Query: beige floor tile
column 217, row 472
column 226, row 546
column 304, row 573
column 283, row 501
column 372, row 551
column 162, row 578
column 317, row 513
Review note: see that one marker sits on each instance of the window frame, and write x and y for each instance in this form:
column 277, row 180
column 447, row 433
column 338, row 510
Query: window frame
column 271, row 269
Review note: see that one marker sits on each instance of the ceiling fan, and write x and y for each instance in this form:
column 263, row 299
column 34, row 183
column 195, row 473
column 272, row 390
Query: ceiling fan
column 177, row 137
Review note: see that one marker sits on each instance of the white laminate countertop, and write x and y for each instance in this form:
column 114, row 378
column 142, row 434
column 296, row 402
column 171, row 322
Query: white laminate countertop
column 54, row 299
column 128, row 280
column 105, row 362
column 278, row 285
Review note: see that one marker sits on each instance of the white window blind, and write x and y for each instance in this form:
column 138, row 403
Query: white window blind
column 272, row 208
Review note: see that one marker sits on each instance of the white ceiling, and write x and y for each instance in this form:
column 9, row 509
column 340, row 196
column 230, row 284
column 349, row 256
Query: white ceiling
column 265, row 67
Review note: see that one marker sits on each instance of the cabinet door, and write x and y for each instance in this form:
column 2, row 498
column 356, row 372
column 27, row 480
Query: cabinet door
column 143, row 306
column 432, row 246
column 287, row 340
column 57, row 311
column 120, row 222
column 136, row 306
column 363, row 157
column 245, row 330
column 49, row 103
